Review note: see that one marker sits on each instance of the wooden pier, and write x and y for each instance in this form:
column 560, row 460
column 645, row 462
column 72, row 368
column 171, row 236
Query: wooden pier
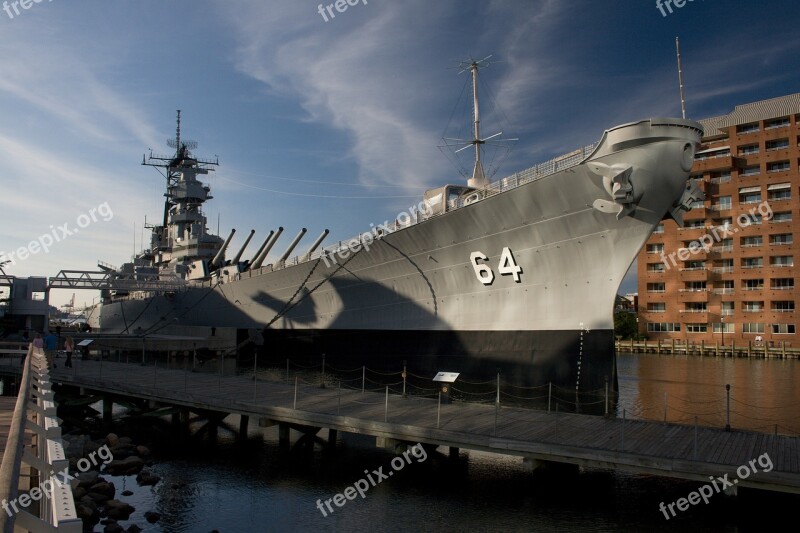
column 752, row 349
column 537, row 436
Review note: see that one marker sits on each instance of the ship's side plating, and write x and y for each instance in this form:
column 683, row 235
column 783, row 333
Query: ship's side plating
column 523, row 281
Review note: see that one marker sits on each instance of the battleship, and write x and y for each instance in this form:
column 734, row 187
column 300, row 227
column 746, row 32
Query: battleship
column 517, row 276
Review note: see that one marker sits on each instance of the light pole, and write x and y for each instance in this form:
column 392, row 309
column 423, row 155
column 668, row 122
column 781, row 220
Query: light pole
column 722, row 320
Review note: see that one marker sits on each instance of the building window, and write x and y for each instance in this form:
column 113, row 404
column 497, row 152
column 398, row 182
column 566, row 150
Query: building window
column 785, row 216
column 753, row 170
column 723, row 203
column 781, row 260
column 729, row 328
column 655, row 267
column 752, row 262
column 781, row 239
column 782, row 328
column 777, row 144
column 695, row 286
column 695, row 307
column 663, row 327
column 696, row 328
column 752, row 307
column 782, row 284
column 749, row 195
column 694, row 265
column 657, row 287
column 727, row 308
column 724, row 287
column 747, row 128
column 783, row 306
column 657, row 248
column 659, row 228
column 748, row 149
column 779, row 191
column 751, row 242
column 776, row 123
column 724, row 266
column 778, row 166
column 721, row 177
column 752, row 327
column 752, row 284
column 657, row 307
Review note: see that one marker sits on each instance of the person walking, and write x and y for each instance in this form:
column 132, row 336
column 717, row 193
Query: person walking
column 69, row 347
column 38, row 342
column 50, row 346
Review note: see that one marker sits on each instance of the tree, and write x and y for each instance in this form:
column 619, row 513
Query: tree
column 625, row 325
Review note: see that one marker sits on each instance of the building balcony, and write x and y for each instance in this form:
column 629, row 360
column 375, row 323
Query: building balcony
column 693, row 315
column 691, row 234
column 697, row 213
column 724, row 290
column 693, row 274
column 690, row 295
column 717, row 162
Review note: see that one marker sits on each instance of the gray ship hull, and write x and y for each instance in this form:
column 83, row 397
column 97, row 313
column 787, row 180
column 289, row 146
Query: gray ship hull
column 523, row 280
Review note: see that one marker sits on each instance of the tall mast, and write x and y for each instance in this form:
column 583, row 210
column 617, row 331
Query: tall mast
column 478, row 177
column 680, row 76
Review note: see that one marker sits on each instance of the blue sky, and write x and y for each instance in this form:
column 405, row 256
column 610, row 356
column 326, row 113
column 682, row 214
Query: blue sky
column 333, row 124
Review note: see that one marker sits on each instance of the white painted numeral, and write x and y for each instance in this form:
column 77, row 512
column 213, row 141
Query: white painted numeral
column 482, row 271
column 508, row 265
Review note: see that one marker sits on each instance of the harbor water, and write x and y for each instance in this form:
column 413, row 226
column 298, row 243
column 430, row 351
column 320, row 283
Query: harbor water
column 259, row 487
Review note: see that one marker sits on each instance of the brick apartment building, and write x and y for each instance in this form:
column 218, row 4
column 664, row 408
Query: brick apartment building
column 730, row 272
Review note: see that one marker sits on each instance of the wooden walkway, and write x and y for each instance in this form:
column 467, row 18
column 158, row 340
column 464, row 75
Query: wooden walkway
column 7, row 404
column 762, row 350
column 671, row 450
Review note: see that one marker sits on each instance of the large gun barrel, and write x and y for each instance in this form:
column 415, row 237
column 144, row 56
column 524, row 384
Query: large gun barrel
column 291, row 247
column 217, row 261
column 317, row 243
column 267, row 247
column 260, row 249
column 238, row 256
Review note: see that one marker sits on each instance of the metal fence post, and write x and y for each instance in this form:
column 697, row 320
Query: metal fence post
column 622, row 445
column 665, row 407
column 439, row 410
column 295, row 393
column 695, row 438
column 728, row 409
column 404, row 379
column 287, row 370
column 606, row 396
column 549, row 394
column 497, row 401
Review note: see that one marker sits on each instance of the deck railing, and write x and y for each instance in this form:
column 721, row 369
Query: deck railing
column 56, row 505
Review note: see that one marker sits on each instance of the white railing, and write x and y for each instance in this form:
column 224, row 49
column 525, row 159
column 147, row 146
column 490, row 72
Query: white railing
column 56, row 506
column 724, row 291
